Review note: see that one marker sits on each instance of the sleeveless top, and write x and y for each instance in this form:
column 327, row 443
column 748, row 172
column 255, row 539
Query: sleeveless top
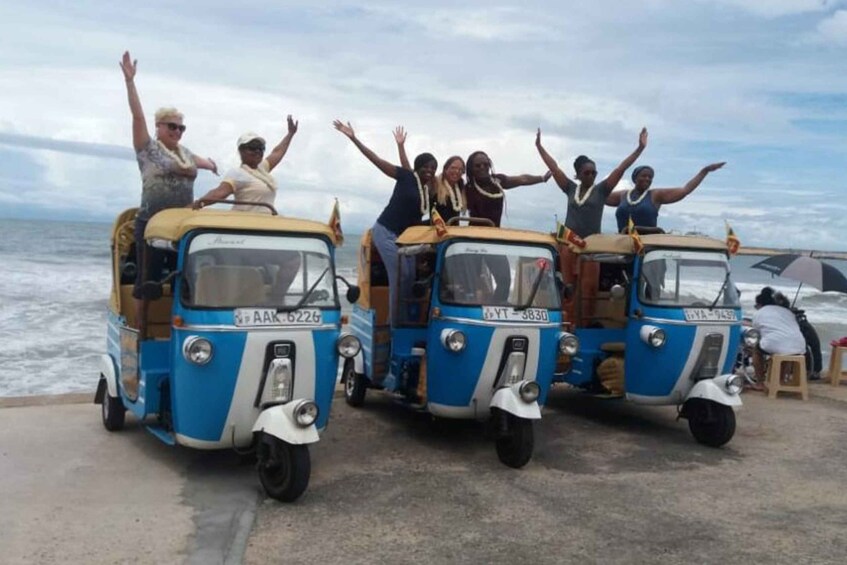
column 645, row 213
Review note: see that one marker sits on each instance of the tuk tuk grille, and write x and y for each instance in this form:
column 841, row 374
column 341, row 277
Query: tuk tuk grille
column 515, row 348
column 707, row 365
column 276, row 350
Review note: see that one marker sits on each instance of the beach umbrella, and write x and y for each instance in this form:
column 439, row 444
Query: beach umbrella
column 806, row 270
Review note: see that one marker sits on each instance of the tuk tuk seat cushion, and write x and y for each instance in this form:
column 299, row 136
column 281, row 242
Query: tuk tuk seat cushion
column 229, row 285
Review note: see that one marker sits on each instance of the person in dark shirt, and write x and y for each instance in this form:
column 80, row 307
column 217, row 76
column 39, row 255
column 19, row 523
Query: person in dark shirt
column 409, row 202
column 485, row 199
column 642, row 203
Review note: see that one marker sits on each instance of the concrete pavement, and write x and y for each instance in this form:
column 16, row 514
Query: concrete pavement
column 610, row 483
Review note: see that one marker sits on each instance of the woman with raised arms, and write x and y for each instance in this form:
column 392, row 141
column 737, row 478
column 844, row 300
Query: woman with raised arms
column 409, row 202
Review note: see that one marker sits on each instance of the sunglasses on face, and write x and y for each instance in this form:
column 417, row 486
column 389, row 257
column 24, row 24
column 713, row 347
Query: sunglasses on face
column 173, row 126
column 253, row 148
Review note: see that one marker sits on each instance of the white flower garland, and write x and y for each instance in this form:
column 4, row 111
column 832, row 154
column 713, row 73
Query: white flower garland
column 492, row 195
column 261, row 175
column 178, row 155
column 580, row 201
column 424, row 195
column 455, row 193
column 637, row 200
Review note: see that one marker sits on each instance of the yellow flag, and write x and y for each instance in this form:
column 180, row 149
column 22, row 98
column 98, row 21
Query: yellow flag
column 733, row 244
column 335, row 222
column 438, row 223
column 633, row 233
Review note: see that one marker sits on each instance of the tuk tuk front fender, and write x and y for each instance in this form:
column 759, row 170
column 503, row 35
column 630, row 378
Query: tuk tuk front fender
column 109, row 374
column 714, row 390
column 279, row 422
column 359, row 363
column 509, row 400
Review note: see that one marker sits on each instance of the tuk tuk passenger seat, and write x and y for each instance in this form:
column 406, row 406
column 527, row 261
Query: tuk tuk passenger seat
column 229, row 286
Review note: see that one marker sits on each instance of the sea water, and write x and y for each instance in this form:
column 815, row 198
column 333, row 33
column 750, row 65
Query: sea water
column 55, row 283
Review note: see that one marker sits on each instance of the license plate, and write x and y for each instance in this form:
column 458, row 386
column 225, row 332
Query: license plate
column 270, row 317
column 709, row 315
column 508, row 314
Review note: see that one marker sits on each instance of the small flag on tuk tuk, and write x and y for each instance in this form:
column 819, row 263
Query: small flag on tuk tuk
column 733, row 244
column 438, row 223
column 633, row 233
column 335, row 222
column 567, row 235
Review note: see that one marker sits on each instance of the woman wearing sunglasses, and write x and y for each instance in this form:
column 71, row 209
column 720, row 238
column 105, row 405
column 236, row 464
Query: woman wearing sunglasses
column 167, row 170
column 252, row 181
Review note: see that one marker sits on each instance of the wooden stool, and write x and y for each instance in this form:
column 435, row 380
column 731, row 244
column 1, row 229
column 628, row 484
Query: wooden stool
column 798, row 376
column 836, row 373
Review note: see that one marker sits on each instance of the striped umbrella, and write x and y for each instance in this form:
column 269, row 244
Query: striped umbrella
column 806, row 270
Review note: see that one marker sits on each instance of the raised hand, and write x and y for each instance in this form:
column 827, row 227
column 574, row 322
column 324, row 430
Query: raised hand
column 538, row 139
column 642, row 138
column 547, row 175
column 714, row 167
column 346, row 129
column 292, row 125
column 128, row 66
column 400, row 135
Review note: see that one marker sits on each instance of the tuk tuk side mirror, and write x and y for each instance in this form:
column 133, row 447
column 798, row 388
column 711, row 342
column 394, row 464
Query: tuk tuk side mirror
column 617, row 292
column 129, row 271
column 353, row 293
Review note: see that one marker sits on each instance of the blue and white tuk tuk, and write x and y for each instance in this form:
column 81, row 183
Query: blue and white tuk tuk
column 660, row 326
column 476, row 330
column 237, row 346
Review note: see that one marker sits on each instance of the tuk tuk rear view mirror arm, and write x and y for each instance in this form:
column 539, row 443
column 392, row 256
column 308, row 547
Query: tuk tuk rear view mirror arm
column 470, row 220
column 535, row 285
column 203, row 202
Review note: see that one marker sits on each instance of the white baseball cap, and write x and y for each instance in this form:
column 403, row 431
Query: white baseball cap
column 248, row 137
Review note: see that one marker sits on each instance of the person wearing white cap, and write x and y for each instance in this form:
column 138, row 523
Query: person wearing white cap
column 252, row 181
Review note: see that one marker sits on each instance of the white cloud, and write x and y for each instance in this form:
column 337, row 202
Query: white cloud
column 778, row 8
column 834, row 28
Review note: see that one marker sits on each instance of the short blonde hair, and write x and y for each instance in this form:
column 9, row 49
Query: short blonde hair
column 168, row 112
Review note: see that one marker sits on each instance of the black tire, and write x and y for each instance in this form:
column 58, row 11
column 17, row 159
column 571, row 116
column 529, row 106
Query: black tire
column 710, row 423
column 515, row 442
column 112, row 412
column 284, row 469
column 354, row 384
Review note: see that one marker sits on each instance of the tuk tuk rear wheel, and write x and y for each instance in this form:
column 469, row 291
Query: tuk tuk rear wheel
column 354, row 384
column 515, row 441
column 113, row 412
column 711, row 423
column 284, row 468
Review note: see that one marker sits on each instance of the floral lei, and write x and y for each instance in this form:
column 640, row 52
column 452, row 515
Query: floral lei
column 456, row 199
column 492, row 195
column 424, row 196
column 580, row 201
column 178, row 155
column 261, row 175
column 637, row 200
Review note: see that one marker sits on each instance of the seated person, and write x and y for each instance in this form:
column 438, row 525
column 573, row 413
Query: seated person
column 778, row 328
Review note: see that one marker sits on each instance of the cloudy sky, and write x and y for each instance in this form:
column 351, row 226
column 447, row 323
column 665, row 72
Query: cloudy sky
column 761, row 84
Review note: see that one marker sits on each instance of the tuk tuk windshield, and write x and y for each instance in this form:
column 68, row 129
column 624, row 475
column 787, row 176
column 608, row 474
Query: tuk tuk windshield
column 482, row 273
column 687, row 278
column 226, row 270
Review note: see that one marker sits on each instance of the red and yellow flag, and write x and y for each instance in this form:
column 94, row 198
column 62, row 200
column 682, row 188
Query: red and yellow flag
column 335, row 223
column 567, row 235
column 733, row 244
column 633, row 233
column 438, row 223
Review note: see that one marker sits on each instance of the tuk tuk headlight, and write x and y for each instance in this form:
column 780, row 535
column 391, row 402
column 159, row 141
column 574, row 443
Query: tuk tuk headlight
column 197, row 350
column 751, row 337
column 348, row 345
column 568, row 344
column 653, row 336
column 305, row 413
column 453, row 340
column 734, row 384
column 529, row 391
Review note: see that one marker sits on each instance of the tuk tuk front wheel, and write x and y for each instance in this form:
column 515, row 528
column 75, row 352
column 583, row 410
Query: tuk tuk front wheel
column 515, row 441
column 354, row 384
column 284, row 469
column 113, row 412
column 711, row 423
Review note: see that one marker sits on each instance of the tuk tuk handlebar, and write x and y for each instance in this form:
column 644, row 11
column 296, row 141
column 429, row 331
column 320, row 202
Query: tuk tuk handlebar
column 470, row 221
column 203, row 202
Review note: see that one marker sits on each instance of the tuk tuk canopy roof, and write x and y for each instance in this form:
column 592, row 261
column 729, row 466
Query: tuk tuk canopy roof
column 622, row 243
column 172, row 224
column 426, row 234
